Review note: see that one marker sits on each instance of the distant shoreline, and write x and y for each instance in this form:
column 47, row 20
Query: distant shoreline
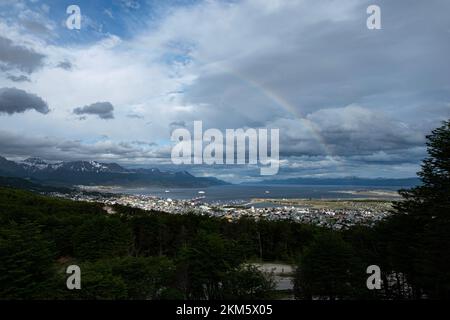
column 381, row 193
column 257, row 194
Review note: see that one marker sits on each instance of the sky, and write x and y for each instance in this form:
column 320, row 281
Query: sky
column 347, row 100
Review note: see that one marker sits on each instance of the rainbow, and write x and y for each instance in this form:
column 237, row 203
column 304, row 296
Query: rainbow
column 288, row 107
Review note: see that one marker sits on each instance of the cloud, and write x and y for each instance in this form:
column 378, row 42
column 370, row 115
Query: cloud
column 66, row 65
column 109, row 13
column 18, row 57
column 144, row 143
column 36, row 27
column 14, row 145
column 104, row 110
column 342, row 96
column 347, row 132
column 134, row 116
column 304, row 56
column 131, row 4
column 177, row 124
column 21, row 78
column 356, row 130
column 14, row 100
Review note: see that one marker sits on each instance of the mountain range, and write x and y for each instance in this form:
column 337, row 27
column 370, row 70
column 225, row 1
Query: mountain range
column 96, row 173
column 72, row 173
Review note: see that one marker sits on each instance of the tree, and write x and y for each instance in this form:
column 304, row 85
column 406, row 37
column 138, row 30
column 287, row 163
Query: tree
column 98, row 282
column 145, row 278
column 204, row 263
column 426, row 210
column 328, row 269
column 102, row 237
column 26, row 262
column 247, row 282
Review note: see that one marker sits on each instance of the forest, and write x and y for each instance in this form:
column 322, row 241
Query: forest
column 135, row 254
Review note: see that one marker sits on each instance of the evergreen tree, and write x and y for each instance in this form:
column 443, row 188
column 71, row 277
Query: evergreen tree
column 328, row 270
column 248, row 282
column 425, row 214
column 26, row 262
column 102, row 237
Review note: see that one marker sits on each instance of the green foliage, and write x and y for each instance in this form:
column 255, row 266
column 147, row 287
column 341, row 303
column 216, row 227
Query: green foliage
column 204, row 263
column 101, row 237
column 411, row 247
column 246, row 283
column 145, row 278
column 129, row 255
column 26, row 262
column 135, row 278
column 99, row 282
column 329, row 270
column 425, row 212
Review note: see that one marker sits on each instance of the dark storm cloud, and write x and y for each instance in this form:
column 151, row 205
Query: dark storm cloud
column 355, row 130
column 401, row 70
column 104, row 110
column 345, row 132
column 14, row 100
column 21, row 78
column 12, row 144
column 14, row 56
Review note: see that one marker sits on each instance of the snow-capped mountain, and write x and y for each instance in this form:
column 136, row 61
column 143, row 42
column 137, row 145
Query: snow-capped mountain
column 34, row 164
column 89, row 166
column 97, row 173
column 37, row 164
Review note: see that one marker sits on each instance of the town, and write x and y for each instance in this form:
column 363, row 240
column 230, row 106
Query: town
column 333, row 214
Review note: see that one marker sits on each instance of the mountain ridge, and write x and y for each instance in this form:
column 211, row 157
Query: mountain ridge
column 93, row 173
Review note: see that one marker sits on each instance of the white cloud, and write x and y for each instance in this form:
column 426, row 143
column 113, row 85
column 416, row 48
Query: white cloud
column 309, row 68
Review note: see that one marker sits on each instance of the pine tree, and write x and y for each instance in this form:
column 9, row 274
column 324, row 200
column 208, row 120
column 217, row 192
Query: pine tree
column 425, row 211
column 26, row 262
